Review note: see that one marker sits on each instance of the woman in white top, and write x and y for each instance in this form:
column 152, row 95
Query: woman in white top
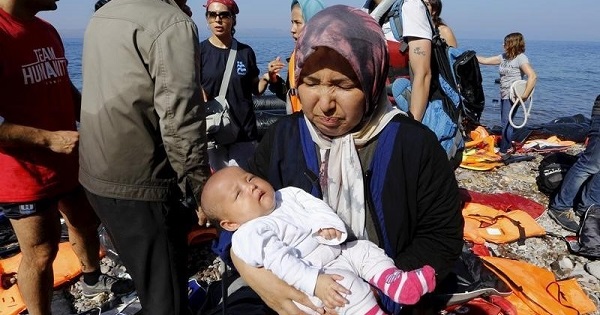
column 513, row 65
column 435, row 9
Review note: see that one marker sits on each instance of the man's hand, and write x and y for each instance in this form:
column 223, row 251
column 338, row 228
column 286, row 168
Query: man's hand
column 62, row 141
column 330, row 291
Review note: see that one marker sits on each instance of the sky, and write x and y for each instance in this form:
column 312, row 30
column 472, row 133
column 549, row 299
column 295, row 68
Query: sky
column 560, row 20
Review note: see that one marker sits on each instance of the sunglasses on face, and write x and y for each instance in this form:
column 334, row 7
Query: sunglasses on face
column 212, row 15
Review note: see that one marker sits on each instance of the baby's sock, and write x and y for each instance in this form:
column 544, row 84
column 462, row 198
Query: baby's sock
column 405, row 287
column 375, row 310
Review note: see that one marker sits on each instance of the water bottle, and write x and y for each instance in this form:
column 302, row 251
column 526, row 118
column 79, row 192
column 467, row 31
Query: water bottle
column 106, row 245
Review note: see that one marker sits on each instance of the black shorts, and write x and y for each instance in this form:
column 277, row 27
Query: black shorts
column 25, row 209
column 22, row 210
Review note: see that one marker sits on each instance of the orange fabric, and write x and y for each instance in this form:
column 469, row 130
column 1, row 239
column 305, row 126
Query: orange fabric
column 573, row 293
column 522, row 308
column 66, row 266
column 483, row 223
column 201, row 234
column 480, row 153
column 481, row 138
column 545, row 295
column 477, row 135
column 293, row 97
column 481, row 166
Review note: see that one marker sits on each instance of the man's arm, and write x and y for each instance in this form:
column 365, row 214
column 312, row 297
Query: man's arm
column 62, row 141
column 175, row 66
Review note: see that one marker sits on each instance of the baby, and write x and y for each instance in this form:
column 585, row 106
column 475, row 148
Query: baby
column 300, row 239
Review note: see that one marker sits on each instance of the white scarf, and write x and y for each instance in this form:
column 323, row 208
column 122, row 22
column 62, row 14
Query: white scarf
column 345, row 186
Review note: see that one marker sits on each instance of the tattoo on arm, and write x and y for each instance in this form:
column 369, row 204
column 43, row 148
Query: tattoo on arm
column 419, row 51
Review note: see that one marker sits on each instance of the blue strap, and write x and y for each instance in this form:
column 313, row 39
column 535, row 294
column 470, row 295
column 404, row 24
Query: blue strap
column 310, row 154
column 379, row 166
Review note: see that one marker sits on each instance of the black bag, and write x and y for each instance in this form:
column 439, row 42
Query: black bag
column 240, row 299
column 588, row 236
column 552, row 170
column 470, row 85
column 468, row 279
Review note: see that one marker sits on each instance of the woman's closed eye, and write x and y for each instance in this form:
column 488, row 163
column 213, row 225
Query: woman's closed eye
column 346, row 85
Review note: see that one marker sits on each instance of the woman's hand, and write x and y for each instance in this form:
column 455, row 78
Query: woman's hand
column 274, row 68
column 277, row 294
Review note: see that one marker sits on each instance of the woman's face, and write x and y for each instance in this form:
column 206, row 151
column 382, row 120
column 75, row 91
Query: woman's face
column 297, row 22
column 219, row 19
column 331, row 95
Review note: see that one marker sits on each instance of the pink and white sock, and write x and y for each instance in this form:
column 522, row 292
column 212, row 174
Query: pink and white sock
column 405, row 287
column 376, row 310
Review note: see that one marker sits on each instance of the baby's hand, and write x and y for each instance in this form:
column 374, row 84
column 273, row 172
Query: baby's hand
column 330, row 233
column 330, row 291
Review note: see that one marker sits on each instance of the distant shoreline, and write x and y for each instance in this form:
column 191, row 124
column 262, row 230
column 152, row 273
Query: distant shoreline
column 278, row 33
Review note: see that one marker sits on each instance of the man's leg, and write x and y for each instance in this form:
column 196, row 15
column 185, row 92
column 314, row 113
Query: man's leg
column 38, row 236
column 150, row 238
column 82, row 224
column 586, row 166
column 590, row 194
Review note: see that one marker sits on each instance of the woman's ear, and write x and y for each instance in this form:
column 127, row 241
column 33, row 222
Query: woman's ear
column 229, row 226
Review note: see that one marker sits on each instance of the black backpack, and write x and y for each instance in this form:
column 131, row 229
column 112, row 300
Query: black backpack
column 587, row 242
column 457, row 68
column 552, row 170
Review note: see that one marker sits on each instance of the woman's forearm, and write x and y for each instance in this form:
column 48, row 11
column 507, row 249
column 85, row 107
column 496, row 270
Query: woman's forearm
column 277, row 294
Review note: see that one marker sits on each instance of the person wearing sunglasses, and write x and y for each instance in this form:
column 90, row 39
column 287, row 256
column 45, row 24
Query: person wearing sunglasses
column 243, row 83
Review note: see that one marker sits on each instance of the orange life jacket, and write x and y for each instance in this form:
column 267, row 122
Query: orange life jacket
column 542, row 296
column 483, row 223
column 294, row 101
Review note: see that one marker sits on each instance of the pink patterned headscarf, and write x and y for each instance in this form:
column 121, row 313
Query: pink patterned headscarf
column 230, row 4
column 354, row 35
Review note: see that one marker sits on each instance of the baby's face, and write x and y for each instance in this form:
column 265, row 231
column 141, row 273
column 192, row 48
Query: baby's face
column 244, row 196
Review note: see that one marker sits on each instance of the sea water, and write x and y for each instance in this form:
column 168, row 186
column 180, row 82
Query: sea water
column 568, row 73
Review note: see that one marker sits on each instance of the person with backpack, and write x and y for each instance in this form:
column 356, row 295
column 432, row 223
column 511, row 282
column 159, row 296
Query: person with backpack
column 513, row 66
column 580, row 188
column 435, row 8
column 416, row 33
